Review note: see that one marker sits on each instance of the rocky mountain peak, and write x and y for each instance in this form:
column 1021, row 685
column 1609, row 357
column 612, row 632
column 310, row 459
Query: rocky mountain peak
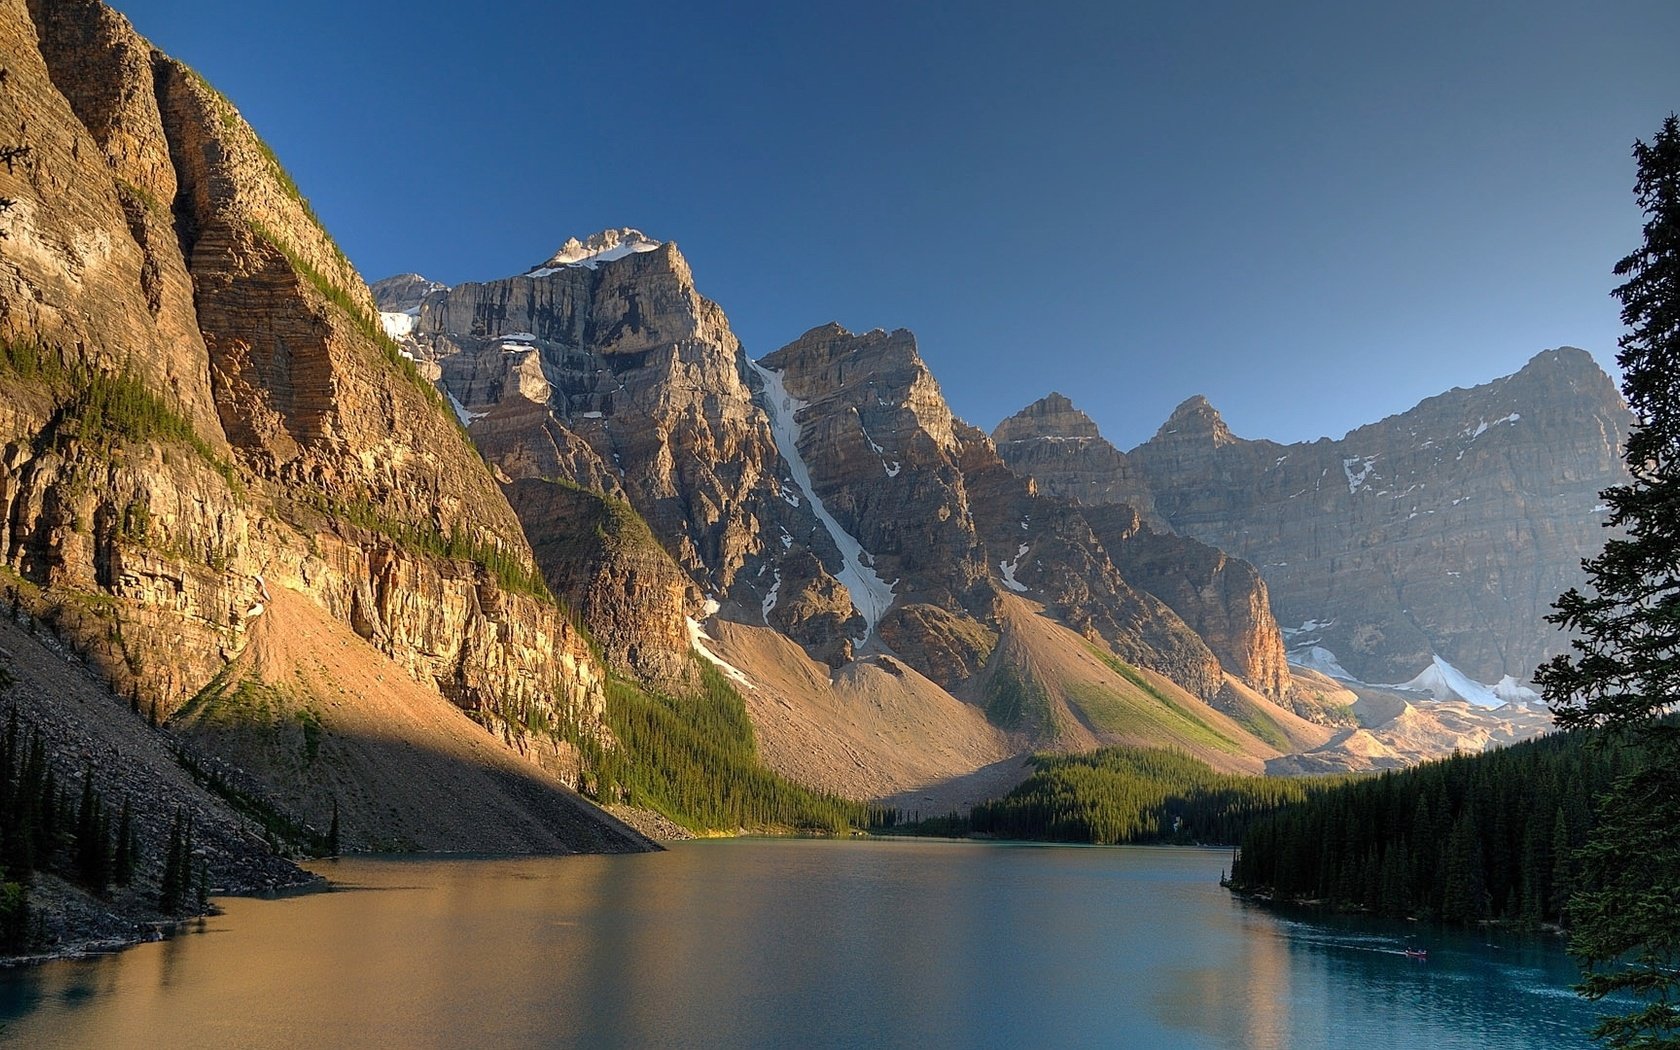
column 1052, row 416
column 597, row 248
column 293, row 480
column 881, row 370
column 1196, row 418
column 1060, row 449
column 1567, row 369
column 403, row 292
column 1571, row 359
column 1442, row 531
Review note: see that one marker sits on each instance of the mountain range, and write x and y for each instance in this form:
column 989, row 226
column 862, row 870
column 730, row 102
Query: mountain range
column 823, row 505
column 382, row 556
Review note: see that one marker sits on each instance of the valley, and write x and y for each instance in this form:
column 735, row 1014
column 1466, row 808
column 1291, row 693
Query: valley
column 490, row 566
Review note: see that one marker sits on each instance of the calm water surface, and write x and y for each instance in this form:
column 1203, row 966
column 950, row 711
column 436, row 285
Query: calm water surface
column 790, row 943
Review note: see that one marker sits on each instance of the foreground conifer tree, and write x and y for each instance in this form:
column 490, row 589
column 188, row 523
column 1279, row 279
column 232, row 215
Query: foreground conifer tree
column 1624, row 673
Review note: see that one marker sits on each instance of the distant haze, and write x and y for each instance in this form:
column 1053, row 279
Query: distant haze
column 1315, row 217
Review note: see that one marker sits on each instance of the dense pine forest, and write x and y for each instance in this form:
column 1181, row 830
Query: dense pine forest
column 695, row 759
column 1463, row 839
column 1125, row 795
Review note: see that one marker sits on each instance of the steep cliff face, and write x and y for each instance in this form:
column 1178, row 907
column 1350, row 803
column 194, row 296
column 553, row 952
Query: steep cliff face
column 606, row 368
column 92, row 266
column 627, row 362
column 878, row 442
column 603, row 560
column 200, row 409
column 1223, row 599
column 1444, row 531
column 939, row 519
column 1047, row 548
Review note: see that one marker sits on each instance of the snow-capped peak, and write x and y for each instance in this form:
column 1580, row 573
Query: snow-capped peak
column 595, row 249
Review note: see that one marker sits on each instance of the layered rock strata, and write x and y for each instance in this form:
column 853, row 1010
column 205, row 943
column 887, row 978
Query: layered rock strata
column 200, row 408
column 1446, row 530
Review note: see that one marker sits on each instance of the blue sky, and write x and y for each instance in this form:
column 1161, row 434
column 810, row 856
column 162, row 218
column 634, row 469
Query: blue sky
column 1314, row 214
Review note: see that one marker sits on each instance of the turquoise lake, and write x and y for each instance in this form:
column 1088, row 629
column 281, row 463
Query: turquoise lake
column 799, row 943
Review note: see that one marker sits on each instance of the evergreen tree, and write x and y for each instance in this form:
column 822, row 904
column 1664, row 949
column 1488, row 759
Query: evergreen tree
column 1563, row 866
column 122, row 864
column 91, row 853
column 1411, row 842
column 171, row 889
column 1464, row 897
column 1625, row 668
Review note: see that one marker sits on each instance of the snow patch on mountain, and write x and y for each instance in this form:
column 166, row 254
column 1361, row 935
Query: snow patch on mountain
column 697, row 637
column 461, row 412
column 399, row 325
column 597, row 248
column 1356, row 476
column 1443, row 681
column 890, row 466
column 1008, row 569
column 871, row 595
column 1317, row 658
column 1512, row 691
column 1307, row 627
column 1483, row 426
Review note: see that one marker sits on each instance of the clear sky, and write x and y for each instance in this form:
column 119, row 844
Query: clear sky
column 1315, row 214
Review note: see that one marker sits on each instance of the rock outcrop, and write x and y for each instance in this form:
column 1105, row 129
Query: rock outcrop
column 604, row 562
column 935, row 511
column 606, row 368
column 1223, row 599
column 879, row 443
column 1047, row 548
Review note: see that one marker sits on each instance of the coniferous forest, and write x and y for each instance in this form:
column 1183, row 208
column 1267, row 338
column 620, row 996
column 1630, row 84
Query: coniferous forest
column 1463, row 839
column 695, row 760
column 1128, row 795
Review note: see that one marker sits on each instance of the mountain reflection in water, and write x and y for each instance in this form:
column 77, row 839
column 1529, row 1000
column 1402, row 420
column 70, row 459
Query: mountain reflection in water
column 798, row 943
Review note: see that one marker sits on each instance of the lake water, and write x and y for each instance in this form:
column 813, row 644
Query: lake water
column 798, row 943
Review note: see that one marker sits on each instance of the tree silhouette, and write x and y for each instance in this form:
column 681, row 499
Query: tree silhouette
column 1624, row 671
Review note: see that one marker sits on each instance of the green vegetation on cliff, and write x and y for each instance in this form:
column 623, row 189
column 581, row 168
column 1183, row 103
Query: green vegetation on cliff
column 104, row 408
column 108, row 407
column 30, row 359
column 508, row 570
column 367, row 325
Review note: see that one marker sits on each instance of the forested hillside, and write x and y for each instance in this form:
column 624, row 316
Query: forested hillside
column 1473, row 837
column 1128, row 795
